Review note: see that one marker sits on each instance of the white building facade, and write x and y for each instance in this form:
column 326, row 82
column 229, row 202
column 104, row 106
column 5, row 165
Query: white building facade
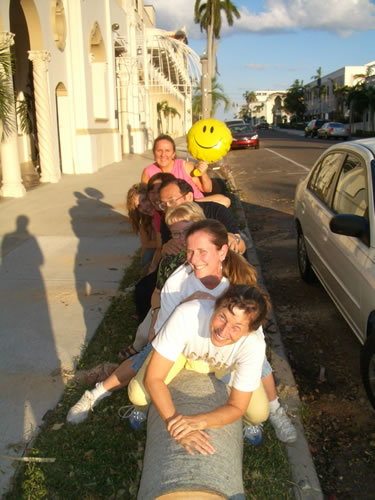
column 328, row 101
column 93, row 75
column 268, row 106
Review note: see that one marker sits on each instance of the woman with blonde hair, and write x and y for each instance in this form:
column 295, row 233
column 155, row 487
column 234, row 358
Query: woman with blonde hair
column 141, row 215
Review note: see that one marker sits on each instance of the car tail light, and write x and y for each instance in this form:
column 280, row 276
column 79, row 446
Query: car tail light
column 347, row 131
column 331, row 129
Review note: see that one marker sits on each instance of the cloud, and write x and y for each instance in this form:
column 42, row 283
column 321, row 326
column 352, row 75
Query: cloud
column 258, row 67
column 342, row 17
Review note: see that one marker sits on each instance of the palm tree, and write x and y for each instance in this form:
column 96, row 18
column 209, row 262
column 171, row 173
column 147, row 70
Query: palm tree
column 319, row 87
column 249, row 96
column 218, row 97
column 167, row 111
column 6, row 94
column 208, row 16
column 340, row 92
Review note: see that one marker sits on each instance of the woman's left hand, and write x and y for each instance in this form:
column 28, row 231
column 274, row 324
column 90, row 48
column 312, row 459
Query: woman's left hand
column 180, row 426
column 202, row 166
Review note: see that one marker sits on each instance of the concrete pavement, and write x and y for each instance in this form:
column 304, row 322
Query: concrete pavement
column 64, row 247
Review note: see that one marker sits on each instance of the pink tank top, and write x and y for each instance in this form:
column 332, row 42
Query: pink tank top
column 179, row 172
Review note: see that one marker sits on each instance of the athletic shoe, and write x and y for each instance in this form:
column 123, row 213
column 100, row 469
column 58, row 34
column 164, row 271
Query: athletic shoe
column 253, row 434
column 80, row 411
column 136, row 417
column 284, row 429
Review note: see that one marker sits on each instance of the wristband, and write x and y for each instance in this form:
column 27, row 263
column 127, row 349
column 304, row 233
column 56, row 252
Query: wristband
column 153, row 309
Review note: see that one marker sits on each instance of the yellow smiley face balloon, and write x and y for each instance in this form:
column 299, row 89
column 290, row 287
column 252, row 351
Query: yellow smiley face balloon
column 209, row 140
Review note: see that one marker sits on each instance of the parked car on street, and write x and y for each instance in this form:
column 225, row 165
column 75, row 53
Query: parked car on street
column 312, row 127
column 236, row 121
column 244, row 136
column 263, row 125
column 334, row 130
column 335, row 221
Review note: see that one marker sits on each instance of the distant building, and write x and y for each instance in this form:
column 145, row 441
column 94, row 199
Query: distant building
column 329, row 99
column 268, row 106
column 94, row 76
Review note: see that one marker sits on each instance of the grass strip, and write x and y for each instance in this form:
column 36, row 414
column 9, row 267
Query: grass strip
column 102, row 457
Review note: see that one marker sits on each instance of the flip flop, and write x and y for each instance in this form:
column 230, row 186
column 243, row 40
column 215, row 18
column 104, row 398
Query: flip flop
column 127, row 352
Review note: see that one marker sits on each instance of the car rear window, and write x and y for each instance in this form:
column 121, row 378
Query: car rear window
column 322, row 178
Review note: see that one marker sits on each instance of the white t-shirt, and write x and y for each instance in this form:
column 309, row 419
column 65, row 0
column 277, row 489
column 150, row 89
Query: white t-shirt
column 188, row 331
column 179, row 286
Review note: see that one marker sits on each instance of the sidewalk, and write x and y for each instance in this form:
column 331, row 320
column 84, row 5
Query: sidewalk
column 64, row 249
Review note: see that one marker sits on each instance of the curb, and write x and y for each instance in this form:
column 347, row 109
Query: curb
column 306, row 485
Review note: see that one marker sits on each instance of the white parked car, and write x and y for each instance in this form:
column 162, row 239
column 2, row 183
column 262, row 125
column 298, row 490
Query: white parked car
column 335, row 219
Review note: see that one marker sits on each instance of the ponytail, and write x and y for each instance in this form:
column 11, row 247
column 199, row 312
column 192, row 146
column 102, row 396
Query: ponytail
column 238, row 270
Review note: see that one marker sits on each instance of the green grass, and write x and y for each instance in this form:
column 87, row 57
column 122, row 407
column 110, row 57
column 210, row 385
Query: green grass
column 102, row 458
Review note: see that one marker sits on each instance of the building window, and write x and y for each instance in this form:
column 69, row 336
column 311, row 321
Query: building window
column 58, row 23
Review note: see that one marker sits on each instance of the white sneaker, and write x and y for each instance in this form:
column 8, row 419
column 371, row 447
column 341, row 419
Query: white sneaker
column 80, row 411
column 284, row 429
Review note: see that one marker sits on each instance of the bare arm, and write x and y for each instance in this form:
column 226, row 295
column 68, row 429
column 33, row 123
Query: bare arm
column 146, row 242
column 180, row 426
column 144, row 177
column 203, row 181
column 156, row 373
column 217, row 198
column 155, row 306
column 157, row 254
column 172, row 247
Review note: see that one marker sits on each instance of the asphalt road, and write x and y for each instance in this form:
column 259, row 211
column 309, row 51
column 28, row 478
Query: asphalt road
column 322, row 350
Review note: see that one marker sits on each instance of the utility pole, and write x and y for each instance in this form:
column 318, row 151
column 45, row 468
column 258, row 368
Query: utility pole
column 205, row 80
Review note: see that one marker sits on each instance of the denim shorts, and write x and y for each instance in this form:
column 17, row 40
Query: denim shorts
column 140, row 357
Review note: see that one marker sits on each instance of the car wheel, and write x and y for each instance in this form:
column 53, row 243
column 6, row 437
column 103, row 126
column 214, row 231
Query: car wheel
column 257, row 146
column 368, row 367
column 304, row 265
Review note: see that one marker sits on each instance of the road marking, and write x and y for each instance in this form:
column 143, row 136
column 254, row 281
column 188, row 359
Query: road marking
column 288, row 159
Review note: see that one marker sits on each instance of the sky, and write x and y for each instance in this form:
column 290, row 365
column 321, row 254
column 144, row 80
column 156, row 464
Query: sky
column 276, row 42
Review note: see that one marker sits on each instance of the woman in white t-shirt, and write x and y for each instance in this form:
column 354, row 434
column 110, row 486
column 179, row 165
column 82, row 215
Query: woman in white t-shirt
column 212, row 266
column 220, row 338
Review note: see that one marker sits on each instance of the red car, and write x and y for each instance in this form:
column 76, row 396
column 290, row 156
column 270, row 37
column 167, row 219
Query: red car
column 243, row 136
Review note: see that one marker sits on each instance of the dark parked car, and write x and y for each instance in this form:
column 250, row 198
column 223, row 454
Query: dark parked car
column 311, row 129
column 263, row 125
column 335, row 219
column 244, row 136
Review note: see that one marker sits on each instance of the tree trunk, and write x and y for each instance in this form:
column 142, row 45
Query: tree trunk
column 169, row 471
column 210, row 36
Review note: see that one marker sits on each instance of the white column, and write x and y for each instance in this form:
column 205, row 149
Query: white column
column 12, row 185
column 49, row 168
column 123, row 84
